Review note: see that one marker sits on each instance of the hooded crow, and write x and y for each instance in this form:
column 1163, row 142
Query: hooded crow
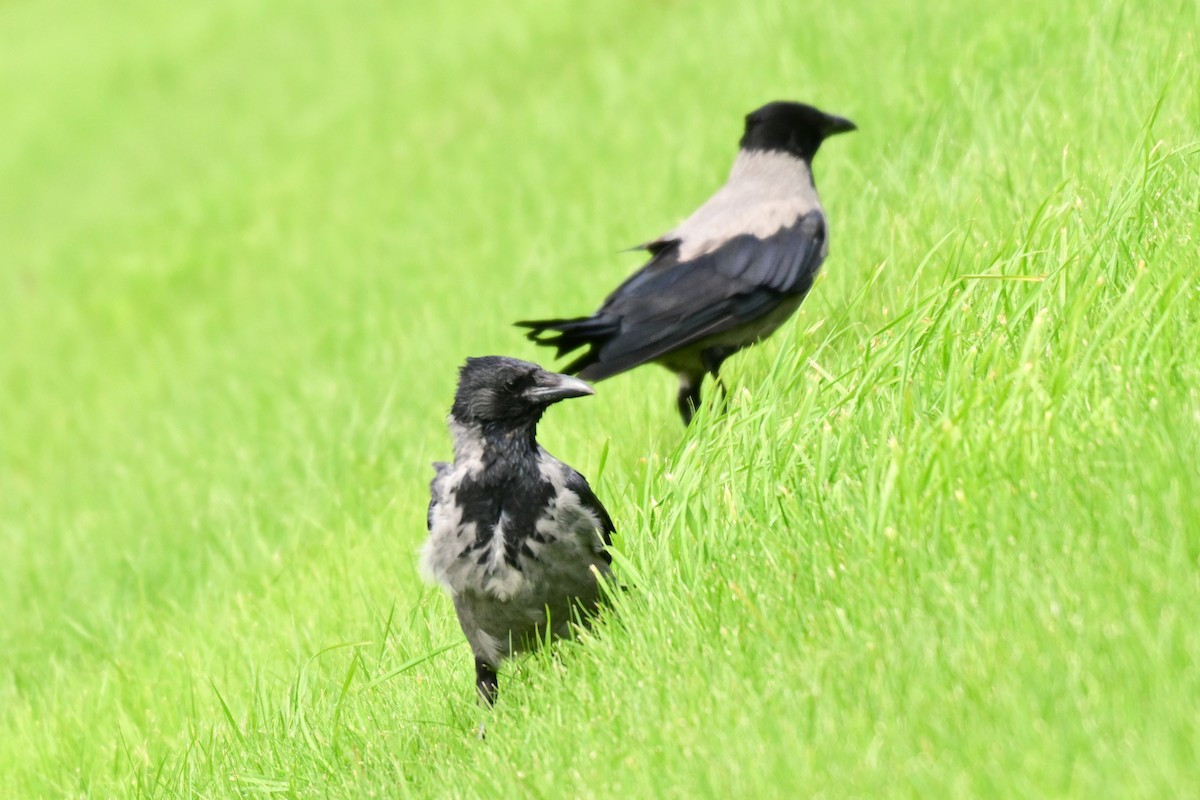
column 516, row 536
column 724, row 278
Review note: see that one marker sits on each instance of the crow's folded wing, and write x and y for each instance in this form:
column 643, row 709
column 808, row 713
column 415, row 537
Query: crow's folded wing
column 671, row 303
column 587, row 498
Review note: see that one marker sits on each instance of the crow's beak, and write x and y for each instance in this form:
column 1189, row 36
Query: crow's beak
column 839, row 125
column 552, row 387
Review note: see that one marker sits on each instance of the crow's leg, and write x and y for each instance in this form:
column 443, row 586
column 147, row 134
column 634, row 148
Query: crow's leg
column 712, row 359
column 486, row 682
column 689, row 395
column 724, row 390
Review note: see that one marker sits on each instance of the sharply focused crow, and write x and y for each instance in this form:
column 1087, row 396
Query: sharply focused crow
column 516, row 536
column 727, row 276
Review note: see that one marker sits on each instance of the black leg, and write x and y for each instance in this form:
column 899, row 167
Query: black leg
column 724, row 389
column 689, row 385
column 714, row 357
column 486, row 682
column 689, row 396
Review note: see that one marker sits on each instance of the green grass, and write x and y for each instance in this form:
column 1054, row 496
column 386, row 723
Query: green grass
column 944, row 542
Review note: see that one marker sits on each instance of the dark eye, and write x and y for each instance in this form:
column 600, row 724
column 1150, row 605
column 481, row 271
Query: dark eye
column 519, row 382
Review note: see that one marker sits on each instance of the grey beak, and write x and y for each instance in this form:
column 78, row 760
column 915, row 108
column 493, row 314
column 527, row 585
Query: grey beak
column 552, row 387
column 839, row 125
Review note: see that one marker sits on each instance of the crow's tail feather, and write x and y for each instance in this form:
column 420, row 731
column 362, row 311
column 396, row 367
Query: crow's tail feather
column 568, row 335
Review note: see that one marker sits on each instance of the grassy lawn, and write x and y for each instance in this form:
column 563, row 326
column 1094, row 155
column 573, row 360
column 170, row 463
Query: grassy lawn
column 944, row 542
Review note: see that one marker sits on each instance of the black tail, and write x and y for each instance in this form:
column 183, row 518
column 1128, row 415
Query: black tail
column 568, row 335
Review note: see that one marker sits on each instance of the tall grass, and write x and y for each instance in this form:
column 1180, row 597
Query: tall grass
column 943, row 540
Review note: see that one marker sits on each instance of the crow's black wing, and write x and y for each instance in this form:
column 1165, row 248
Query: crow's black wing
column 671, row 303
column 579, row 485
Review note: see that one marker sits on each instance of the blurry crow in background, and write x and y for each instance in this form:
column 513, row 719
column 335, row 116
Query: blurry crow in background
column 516, row 536
column 727, row 276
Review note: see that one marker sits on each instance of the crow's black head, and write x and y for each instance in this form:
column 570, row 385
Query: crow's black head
column 791, row 127
column 495, row 389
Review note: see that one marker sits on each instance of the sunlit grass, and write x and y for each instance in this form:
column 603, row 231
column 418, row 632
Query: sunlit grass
column 943, row 541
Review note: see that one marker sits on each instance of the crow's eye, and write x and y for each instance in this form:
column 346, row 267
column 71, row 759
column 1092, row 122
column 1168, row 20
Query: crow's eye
column 518, row 383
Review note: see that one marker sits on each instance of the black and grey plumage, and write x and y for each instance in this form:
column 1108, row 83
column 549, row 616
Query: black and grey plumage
column 516, row 536
column 724, row 278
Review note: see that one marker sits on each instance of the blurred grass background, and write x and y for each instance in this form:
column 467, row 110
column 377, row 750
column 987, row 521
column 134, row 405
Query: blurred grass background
column 945, row 541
